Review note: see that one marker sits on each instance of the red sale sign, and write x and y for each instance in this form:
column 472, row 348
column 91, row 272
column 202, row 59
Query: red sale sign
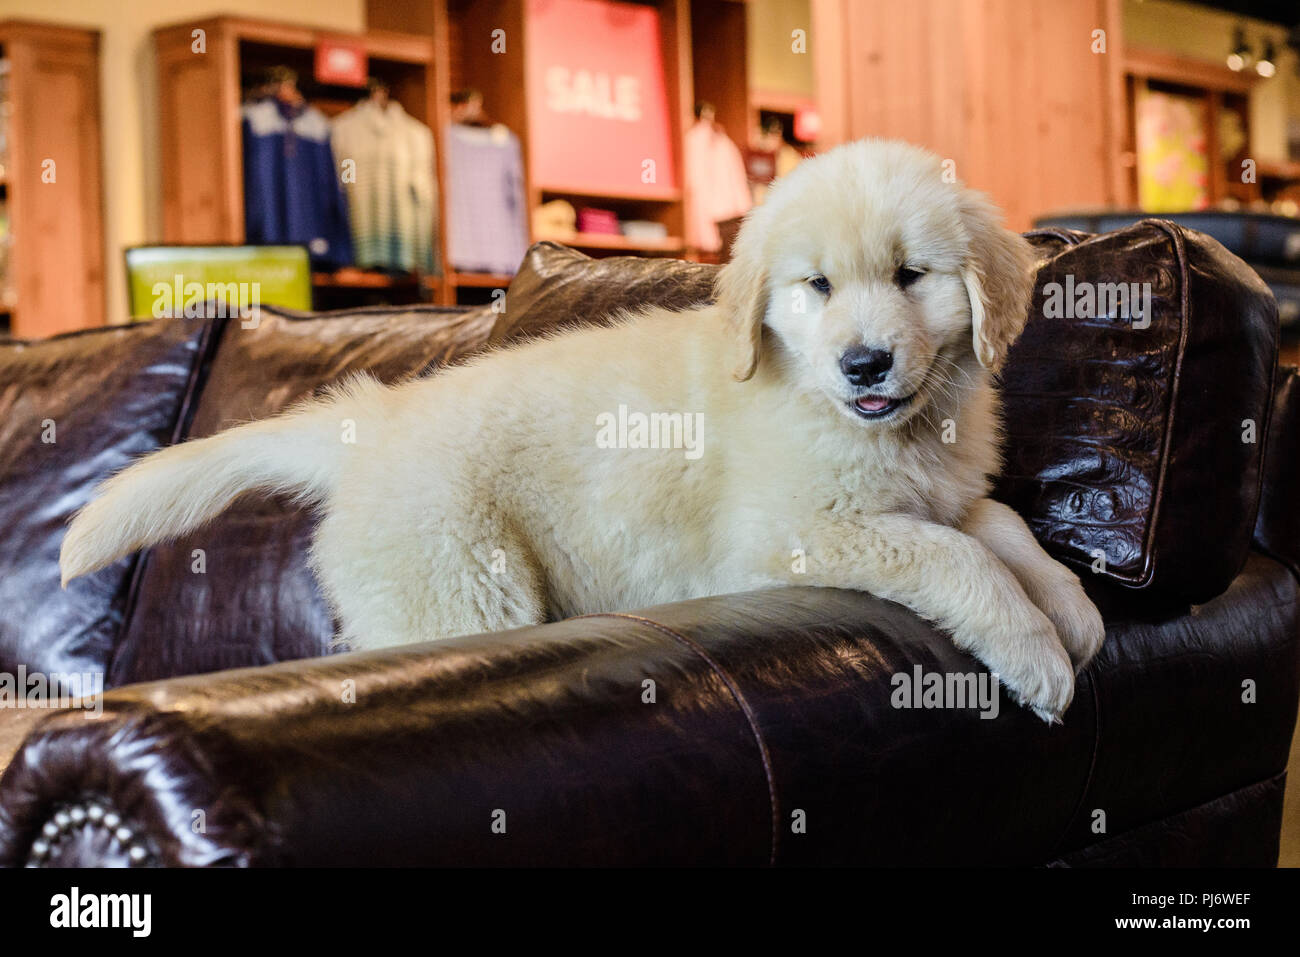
column 341, row 62
column 598, row 122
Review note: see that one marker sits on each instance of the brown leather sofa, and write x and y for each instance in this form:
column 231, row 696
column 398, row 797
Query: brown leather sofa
column 743, row 729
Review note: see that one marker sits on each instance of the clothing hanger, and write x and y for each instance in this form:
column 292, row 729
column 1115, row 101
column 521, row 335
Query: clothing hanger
column 378, row 92
column 282, row 83
column 467, row 109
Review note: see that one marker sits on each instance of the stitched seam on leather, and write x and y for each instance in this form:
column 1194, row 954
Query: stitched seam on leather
column 1269, row 438
column 1184, row 305
column 750, row 717
column 1092, row 767
column 1054, row 232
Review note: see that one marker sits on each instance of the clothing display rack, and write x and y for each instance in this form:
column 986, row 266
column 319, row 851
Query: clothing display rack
column 424, row 51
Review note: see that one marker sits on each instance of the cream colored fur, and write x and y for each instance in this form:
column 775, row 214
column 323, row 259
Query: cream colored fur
column 479, row 499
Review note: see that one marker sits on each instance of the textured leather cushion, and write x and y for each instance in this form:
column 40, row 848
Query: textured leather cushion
column 104, row 397
column 1144, row 445
column 1117, row 438
column 255, row 600
column 557, row 287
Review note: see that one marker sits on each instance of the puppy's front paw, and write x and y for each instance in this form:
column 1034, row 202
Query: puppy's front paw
column 1078, row 623
column 1033, row 667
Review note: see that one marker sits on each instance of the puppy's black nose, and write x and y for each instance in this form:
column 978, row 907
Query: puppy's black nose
column 863, row 366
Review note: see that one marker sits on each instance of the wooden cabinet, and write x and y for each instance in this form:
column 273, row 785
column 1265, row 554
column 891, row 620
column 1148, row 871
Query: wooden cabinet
column 52, row 179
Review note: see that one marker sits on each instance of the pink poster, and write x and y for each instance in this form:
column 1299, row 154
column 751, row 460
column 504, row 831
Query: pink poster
column 598, row 122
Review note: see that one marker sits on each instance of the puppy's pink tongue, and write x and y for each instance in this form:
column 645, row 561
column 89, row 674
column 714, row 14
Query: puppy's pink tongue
column 872, row 403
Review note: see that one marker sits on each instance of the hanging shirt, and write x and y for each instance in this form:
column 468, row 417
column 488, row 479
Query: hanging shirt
column 291, row 186
column 392, row 191
column 716, row 182
column 487, row 222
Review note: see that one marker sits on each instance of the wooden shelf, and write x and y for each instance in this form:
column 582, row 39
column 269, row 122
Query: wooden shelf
column 1279, row 170
column 1186, row 71
column 621, row 243
column 351, row 278
column 655, row 195
column 478, row 280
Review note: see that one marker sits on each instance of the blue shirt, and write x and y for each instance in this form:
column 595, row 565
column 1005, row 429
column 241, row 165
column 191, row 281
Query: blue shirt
column 292, row 192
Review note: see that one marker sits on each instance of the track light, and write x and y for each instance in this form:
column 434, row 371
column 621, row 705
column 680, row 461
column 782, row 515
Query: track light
column 1240, row 56
column 1267, row 65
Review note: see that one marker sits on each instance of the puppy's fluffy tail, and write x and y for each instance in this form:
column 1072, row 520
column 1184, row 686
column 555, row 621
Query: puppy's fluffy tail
column 177, row 489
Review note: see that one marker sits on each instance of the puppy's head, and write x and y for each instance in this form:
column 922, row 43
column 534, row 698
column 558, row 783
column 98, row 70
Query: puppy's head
column 882, row 285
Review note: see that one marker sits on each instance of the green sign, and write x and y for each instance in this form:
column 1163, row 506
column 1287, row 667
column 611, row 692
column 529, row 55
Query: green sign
column 207, row 281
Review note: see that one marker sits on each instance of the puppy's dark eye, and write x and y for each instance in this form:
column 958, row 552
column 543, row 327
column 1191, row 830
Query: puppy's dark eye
column 907, row 275
column 821, row 284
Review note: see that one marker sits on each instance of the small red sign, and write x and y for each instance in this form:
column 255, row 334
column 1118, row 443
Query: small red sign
column 341, row 63
column 807, row 125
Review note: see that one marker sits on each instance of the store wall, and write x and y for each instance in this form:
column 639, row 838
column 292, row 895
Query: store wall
column 1011, row 91
column 132, row 189
column 774, row 67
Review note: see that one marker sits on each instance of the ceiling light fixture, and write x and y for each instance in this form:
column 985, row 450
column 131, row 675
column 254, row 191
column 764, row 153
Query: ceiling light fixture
column 1267, row 65
column 1240, row 56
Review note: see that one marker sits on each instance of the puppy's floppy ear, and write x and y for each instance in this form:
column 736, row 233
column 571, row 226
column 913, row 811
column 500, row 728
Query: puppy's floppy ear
column 999, row 276
column 741, row 289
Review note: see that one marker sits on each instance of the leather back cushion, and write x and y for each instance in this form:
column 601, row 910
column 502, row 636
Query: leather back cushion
column 1128, row 443
column 557, row 288
column 1142, row 447
column 73, row 410
column 239, row 592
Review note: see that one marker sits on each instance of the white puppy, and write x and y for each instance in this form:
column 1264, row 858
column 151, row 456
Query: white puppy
column 835, row 426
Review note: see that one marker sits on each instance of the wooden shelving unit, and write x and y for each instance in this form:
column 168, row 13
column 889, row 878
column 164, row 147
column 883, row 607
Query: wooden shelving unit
column 52, row 181
column 425, row 49
column 200, row 98
column 703, row 45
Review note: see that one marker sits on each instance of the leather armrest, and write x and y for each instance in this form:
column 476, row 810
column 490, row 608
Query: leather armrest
column 745, row 729
column 742, row 729
column 1277, row 526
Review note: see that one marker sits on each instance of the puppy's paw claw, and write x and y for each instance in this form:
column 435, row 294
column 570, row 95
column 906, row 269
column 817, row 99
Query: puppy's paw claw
column 1046, row 716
